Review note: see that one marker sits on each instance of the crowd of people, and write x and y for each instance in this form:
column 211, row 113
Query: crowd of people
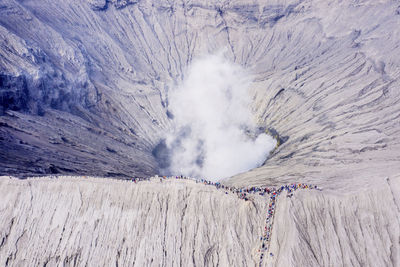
column 244, row 193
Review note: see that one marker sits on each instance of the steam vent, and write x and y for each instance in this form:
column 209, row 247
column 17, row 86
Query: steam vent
column 199, row 133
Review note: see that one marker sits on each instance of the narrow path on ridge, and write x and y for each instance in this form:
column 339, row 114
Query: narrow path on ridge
column 243, row 193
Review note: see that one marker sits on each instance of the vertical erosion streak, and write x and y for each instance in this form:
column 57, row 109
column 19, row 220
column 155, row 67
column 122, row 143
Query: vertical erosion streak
column 165, row 233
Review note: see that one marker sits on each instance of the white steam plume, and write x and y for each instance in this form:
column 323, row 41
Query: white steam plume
column 214, row 135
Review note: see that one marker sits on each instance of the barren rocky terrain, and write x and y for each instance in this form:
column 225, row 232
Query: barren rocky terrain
column 84, row 89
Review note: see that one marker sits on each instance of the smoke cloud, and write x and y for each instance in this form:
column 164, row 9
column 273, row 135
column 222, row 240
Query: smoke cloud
column 215, row 135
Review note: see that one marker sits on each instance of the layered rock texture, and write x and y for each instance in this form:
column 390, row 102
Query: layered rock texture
column 84, row 90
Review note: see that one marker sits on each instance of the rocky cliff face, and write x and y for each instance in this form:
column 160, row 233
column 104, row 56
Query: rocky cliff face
column 84, row 90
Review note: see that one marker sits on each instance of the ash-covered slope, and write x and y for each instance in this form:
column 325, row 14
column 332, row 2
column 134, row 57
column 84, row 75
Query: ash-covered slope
column 80, row 221
column 84, row 84
column 361, row 228
column 103, row 222
column 91, row 79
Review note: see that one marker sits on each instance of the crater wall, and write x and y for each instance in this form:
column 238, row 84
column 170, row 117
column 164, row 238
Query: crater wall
column 91, row 79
